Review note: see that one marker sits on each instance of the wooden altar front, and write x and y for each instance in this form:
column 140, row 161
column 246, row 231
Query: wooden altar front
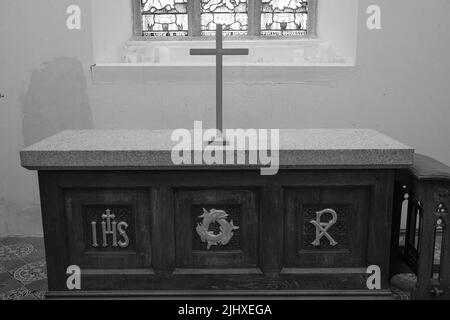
column 137, row 225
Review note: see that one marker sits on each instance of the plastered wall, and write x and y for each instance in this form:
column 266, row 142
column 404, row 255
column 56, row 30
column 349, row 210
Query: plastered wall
column 399, row 86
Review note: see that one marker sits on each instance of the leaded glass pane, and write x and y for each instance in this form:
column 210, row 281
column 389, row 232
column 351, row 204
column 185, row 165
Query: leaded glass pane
column 164, row 17
column 232, row 14
column 284, row 17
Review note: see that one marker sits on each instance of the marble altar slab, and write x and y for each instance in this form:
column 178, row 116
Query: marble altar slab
column 151, row 149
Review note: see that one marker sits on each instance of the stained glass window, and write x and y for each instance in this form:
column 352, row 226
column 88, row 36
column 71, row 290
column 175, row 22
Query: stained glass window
column 232, row 14
column 164, row 17
column 169, row 18
column 284, row 17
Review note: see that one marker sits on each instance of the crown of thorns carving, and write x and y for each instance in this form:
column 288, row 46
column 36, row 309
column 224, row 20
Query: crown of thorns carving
column 226, row 228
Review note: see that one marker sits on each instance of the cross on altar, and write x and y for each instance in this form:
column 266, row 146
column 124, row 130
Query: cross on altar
column 219, row 52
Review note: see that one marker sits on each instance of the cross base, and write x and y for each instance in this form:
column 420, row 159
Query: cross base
column 219, row 141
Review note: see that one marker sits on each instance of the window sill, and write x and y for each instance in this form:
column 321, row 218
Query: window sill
column 269, row 61
column 304, row 51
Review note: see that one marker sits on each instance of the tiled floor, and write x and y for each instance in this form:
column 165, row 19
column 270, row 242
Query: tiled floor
column 23, row 274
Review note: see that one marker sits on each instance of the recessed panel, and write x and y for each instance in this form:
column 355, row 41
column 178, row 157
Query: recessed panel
column 326, row 227
column 109, row 229
column 216, row 228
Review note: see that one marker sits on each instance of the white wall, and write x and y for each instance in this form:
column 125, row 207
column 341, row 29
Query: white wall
column 337, row 24
column 399, row 86
column 112, row 27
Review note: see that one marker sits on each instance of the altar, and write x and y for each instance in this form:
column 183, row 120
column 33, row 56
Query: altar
column 139, row 225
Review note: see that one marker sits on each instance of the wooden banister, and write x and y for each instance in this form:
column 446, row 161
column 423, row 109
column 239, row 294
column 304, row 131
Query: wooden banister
column 426, row 188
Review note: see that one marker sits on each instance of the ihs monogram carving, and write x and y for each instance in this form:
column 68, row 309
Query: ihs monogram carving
column 110, row 227
column 226, row 228
column 323, row 227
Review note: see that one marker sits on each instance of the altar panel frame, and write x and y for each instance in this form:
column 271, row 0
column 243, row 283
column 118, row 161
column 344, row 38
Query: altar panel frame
column 244, row 257
column 83, row 254
column 161, row 186
column 354, row 201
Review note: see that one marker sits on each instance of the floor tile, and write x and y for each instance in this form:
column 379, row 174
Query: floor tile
column 23, row 273
column 11, row 240
column 19, row 293
column 38, row 252
column 38, row 288
column 37, row 285
column 31, row 272
column 16, row 250
column 29, row 249
column 13, row 251
column 4, row 278
column 12, row 265
column 10, row 285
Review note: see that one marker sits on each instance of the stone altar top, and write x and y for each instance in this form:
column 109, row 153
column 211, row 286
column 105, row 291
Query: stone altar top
column 151, row 149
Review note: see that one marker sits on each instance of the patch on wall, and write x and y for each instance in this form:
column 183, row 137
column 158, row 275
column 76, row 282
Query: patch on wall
column 56, row 100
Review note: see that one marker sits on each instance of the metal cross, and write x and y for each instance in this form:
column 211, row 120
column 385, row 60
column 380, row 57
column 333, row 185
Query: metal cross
column 219, row 52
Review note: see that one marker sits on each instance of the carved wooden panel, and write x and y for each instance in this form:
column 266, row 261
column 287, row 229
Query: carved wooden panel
column 108, row 229
column 268, row 211
column 227, row 218
column 327, row 227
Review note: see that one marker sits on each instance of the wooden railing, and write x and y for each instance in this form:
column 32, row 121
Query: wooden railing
column 422, row 196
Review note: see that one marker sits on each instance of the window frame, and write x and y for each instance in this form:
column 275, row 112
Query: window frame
column 254, row 23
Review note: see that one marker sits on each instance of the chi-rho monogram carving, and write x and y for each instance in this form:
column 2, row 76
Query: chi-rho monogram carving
column 323, row 227
column 110, row 227
column 226, row 228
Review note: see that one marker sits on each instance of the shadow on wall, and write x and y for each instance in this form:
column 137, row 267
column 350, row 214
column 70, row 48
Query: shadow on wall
column 56, row 100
